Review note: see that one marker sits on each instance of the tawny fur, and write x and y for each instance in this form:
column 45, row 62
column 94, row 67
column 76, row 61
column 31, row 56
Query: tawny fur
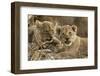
column 77, row 47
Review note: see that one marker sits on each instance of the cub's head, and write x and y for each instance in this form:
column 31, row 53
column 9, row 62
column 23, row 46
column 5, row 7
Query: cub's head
column 67, row 34
column 46, row 30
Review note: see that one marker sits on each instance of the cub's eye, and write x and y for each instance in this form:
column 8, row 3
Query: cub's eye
column 46, row 31
column 70, row 33
column 62, row 33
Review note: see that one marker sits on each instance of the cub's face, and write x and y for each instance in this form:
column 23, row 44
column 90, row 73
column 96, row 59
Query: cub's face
column 46, row 30
column 68, row 34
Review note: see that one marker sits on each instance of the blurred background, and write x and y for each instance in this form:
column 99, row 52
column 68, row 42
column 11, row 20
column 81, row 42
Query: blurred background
column 80, row 22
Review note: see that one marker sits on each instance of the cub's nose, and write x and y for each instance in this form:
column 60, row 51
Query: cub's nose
column 67, row 39
column 49, row 38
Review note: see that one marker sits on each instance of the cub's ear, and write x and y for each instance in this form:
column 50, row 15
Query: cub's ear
column 38, row 23
column 74, row 28
column 58, row 30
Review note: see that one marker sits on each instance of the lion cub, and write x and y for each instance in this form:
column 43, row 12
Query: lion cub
column 45, row 40
column 73, row 45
